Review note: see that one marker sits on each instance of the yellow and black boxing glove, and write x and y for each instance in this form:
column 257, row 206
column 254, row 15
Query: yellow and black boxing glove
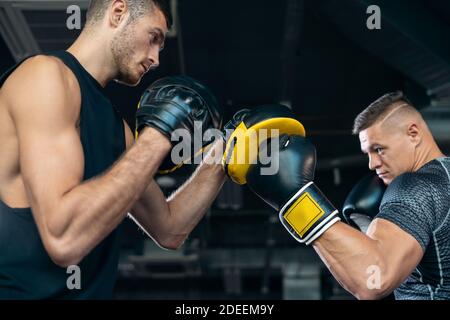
column 248, row 129
column 289, row 188
column 174, row 103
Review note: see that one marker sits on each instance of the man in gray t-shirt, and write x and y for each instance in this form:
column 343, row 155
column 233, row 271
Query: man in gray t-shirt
column 419, row 203
column 406, row 247
column 405, row 243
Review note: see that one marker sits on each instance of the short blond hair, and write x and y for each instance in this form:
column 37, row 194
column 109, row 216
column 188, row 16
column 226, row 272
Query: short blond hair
column 379, row 109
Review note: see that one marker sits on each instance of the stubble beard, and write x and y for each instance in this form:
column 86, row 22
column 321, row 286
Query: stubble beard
column 123, row 51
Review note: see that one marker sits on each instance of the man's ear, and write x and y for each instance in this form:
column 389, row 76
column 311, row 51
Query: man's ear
column 117, row 12
column 414, row 133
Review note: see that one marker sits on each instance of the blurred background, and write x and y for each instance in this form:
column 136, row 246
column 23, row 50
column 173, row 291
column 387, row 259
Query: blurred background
column 316, row 56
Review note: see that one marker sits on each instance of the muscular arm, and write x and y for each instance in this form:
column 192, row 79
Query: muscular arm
column 72, row 216
column 170, row 221
column 353, row 256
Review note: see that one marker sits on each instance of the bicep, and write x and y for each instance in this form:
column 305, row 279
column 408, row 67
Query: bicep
column 51, row 155
column 51, row 163
column 401, row 251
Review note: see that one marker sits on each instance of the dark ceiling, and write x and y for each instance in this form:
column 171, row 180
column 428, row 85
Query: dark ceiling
column 316, row 55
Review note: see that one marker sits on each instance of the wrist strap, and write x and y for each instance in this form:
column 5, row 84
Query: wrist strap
column 308, row 214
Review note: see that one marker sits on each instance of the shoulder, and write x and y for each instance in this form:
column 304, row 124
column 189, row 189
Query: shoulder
column 437, row 172
column 410, row 189
column 408, row 203
column 41, row 67
column 433, row 175
column 407, row 181
column 43, row 80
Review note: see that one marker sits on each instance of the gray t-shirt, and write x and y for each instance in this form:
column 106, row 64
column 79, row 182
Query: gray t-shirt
column 419, row 203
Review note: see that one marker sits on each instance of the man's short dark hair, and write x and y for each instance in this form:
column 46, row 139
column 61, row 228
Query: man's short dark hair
column 138, row 8
column 376, row 110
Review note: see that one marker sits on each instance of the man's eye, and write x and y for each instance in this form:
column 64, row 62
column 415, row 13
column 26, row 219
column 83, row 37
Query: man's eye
column 379, row 150
column 156, row 40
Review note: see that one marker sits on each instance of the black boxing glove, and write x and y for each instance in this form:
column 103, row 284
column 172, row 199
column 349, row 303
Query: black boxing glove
column 178, row 102
column 363, row 202
column 302, row 208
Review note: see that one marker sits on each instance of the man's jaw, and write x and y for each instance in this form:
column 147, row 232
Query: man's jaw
column 384, row 176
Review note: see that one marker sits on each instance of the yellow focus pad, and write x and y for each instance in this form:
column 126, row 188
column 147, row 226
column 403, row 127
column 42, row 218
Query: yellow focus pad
column 243, row 145
column 303, row 213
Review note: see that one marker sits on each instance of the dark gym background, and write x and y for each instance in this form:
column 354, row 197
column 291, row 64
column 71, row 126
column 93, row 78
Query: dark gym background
column 316, row 56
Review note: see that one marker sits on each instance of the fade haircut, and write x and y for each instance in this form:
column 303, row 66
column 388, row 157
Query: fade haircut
column 380, row 109
column 137, row 9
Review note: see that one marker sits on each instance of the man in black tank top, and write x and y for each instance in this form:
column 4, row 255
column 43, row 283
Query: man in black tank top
column 70, row 170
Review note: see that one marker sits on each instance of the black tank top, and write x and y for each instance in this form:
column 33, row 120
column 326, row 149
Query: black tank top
column 26, row 270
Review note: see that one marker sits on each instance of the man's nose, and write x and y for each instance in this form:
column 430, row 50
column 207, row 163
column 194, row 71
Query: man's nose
column 374, row 161
column 154, row 58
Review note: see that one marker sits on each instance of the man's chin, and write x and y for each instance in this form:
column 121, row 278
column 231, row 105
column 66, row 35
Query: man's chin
column 130, row 82
column 386, row 180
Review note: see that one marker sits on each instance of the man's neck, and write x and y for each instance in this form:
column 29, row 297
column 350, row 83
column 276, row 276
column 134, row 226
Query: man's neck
column 93, row 53
column 431, row 152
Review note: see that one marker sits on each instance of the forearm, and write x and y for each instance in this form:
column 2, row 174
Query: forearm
column 352, row 257
column 90, row 211
column 190, row 202
column 170, row 221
